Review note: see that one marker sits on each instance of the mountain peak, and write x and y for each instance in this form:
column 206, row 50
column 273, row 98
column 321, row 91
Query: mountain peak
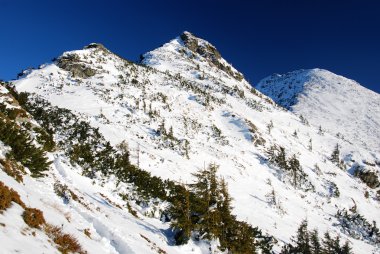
column 200, row 46
column 188, row 51
column 95, row 45
column 330, row 100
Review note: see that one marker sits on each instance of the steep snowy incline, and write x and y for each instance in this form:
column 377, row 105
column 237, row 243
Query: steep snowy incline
column 91, row 210
column 339, row 105
column 181, row 110
column 194, row 58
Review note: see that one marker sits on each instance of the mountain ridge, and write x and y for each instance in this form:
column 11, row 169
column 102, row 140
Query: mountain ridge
column 329, row 99
column 179, row 112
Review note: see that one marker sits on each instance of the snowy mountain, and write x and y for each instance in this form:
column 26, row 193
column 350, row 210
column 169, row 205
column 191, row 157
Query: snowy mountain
column 181, row 108
column 330, row 101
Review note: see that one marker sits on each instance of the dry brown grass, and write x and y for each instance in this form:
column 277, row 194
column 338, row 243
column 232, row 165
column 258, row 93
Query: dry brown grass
column 13, row 169
column 7, row 196
column 33, row 217
column 66, row 243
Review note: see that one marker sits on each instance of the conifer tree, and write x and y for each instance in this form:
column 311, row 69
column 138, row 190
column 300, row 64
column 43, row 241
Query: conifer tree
column 346, row 249
column 335, row 155
column 327, row 243
column 212, row 205
column 303, row 240
column 23, row 149
column 161, row 129
column 320, row 130
column 308, row 242
column 212, row 216
column 310, row 145
column 270, row 126
column 271, row 154
column 295, row 168
column 281, row 158
column 181, row 213
column 244, row 239
column 201, row 189
column 227, row 219
column 171, row 133
column 315, row 245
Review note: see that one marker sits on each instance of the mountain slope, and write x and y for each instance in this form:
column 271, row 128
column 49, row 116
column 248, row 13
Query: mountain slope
column 91, row 210
column 329, row 100
column 184, row 107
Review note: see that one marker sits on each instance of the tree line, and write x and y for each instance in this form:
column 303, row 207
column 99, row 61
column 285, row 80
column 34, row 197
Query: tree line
column 201, row 210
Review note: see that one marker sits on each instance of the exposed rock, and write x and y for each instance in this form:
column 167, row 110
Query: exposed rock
column 72, row 63
column 95, row 46
column 368, row 177
column 209, row 52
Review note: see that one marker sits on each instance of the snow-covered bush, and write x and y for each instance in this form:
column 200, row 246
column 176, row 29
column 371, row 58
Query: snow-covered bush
column 356, row 226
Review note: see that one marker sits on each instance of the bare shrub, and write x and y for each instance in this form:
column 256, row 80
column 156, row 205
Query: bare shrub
column 33, row 217
column 7, row 196
column 12, row 169
column 66, row 242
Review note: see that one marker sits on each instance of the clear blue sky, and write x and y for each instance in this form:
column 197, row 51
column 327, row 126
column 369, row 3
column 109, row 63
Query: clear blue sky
column 258, row 37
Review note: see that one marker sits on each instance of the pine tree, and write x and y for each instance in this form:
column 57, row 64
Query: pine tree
column 303, row 240
column 270, row 126
column 304, row 120
column 346, row 249
column 315, row 245
column 212, row 216
column 23, row 149
column 271, row 197
column 328, row 245
column 244, row 239
column 335, row 155
column 287, row 249
column 181, row 213
column 271, row 154
column 212, row 205
column 161, row 129
column 310, row 146
column 201, row 189
column 171, row 133
column 124, row 150
column 308, row 242
column 186, row 148
column 320, row 130
column 227, row 219
column 281, row 158
column 336, row 244
column 295, row 169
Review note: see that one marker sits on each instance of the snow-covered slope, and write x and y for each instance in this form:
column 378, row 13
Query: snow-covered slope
column 90, row 210
column 212, row 115
column 339, row 105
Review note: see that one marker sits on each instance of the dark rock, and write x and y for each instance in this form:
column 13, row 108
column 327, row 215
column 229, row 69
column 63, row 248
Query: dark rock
column 368, row 177
column 95, row 46
column 209, row 52
column 73, row 64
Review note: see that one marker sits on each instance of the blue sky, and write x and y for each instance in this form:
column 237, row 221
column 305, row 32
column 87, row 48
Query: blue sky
column 258, row 37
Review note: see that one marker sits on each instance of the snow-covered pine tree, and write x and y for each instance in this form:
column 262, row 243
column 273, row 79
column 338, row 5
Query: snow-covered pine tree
column 335, row 155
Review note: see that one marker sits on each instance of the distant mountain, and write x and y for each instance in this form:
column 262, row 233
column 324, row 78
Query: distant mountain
column 127, row 142
column 339, row 105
